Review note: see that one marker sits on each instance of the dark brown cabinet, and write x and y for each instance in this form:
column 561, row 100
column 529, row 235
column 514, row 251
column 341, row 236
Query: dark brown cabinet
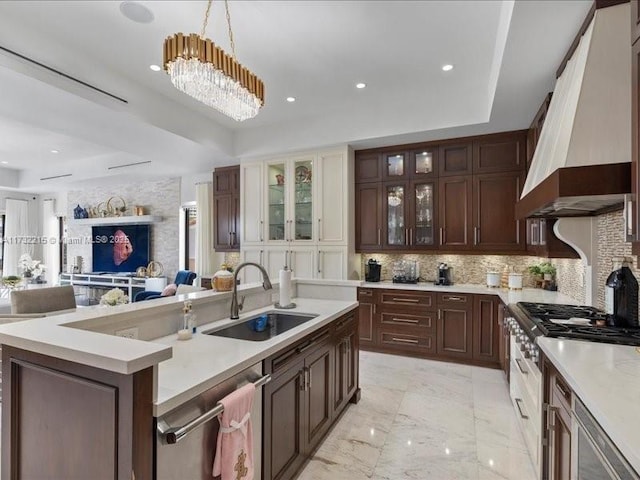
column 369, row 217
column 226, row 209
column 455, row 158
column 312, row 381
column 533, row 134
column 455, row 326
column 543, row 242
column 500, row 153
column 446, row 326
column 454, row 212
column 452, row 195
column 494, row 225
column 367, row 297
column 486, row 329
column 557, row 434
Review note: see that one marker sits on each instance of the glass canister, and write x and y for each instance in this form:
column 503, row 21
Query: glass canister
column 223, row 280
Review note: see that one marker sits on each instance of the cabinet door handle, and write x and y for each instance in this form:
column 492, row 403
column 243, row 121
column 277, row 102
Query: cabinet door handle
column 290, row 260
column 261, row 231
column 303, row 381
column 439, row 315
column 379, row 237
column 561, row 388
column 261, row 252
column 406, row 236
column 524, row 372
column 374, row 308
column 475, row 235
column 407, row 300
column 319, row 230
column 319, row 253
column 405, row 320
column 518, row 401
column 411, row 236
column 230, row 238
column 308, row 378
column 404, row 340
column 441, row 235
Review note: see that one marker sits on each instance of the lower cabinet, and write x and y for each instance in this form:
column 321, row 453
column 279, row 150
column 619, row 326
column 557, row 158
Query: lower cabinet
column 448, row 326
column 312, row 382
column 504, row 348
column 557, row 432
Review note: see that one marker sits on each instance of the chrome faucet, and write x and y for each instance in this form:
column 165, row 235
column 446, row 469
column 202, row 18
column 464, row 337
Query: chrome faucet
column 266, row 284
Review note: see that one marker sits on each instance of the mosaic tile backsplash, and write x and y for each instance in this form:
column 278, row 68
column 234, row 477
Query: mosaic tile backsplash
column 465, row 268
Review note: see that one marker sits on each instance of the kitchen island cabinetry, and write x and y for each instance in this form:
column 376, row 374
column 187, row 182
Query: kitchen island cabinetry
column 312, row 382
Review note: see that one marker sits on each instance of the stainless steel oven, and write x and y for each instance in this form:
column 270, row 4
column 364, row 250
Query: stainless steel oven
column 594, row 455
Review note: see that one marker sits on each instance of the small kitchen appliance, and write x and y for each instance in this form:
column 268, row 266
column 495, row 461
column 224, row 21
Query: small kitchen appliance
column 444, row 275
column 406, row 271
column 621, row 297
column 372, row 271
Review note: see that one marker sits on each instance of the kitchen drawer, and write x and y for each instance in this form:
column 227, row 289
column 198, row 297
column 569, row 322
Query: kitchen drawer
column 460, row 300
column 406, row 338
column 367, row 295
column 425, row 322
column 282, row 360
column 407, row 298
column 345, row 323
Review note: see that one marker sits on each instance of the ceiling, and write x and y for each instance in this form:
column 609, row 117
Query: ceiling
column 504, row 56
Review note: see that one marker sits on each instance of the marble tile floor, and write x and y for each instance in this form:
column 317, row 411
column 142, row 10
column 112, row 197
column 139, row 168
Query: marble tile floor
column 424, row 420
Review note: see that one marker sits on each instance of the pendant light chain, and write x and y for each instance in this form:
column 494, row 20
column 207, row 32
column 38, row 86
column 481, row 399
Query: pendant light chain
column 233, row 46
column 206, row 19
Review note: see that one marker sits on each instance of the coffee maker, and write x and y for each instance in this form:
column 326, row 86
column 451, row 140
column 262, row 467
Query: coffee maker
column 444, row 275
column 621, row 297
column 372, row 271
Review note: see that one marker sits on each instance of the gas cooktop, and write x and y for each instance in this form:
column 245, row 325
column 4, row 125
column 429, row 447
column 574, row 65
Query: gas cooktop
column 579, row 322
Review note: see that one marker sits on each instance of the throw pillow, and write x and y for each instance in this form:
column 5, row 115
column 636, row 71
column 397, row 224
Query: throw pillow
column 169, row 290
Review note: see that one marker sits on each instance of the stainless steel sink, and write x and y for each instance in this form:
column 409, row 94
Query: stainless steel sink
column 264, row 326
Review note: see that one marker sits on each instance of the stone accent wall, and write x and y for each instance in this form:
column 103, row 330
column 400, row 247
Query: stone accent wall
column 466, row 268
column 160, row 198
column 612, row 248
column 570, row 274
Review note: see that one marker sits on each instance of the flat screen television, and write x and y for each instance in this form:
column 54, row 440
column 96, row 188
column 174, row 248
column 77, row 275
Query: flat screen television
column 120, row 248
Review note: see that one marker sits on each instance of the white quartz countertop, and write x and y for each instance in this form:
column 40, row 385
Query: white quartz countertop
column 606, row 377
column 206, row 360
column 536, row 295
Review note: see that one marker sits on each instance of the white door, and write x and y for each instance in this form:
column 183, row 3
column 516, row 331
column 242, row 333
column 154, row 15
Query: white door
column 332, row 201
column 302, row 261
column 251, row 204
column 250, row 274
column 332, row 263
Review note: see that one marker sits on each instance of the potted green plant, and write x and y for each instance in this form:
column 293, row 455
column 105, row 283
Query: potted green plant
column 548, row 270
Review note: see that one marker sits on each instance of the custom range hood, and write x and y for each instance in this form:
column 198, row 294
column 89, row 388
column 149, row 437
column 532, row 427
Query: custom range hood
column 581, row 164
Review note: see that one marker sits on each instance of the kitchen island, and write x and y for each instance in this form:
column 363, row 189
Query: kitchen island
column 89, row 398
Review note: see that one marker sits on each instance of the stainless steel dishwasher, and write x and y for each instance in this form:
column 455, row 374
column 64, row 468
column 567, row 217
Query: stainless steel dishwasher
column 186, row 436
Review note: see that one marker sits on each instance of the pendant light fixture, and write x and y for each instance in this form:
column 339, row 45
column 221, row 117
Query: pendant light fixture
column 202, row 70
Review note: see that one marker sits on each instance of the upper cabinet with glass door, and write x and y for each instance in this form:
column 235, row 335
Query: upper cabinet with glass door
column 395, row 166
column 424, row 163
column 276, row 204
column 290, row 200
column 302, row 219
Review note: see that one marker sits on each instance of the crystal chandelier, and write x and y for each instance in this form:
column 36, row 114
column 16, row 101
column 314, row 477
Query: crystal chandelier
column 204, row 71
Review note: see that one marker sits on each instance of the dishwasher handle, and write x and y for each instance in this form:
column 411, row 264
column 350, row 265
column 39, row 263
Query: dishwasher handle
column 174, row 435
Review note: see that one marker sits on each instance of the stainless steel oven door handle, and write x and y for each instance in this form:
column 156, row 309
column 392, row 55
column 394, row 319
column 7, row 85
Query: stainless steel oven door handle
column 522, row 371
column 522, row 415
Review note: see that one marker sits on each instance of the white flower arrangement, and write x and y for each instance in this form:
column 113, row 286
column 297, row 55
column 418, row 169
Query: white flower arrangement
column 113, row 297
column 30, row 267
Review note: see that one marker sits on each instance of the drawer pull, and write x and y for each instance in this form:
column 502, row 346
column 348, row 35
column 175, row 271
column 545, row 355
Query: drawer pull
column 404, row 340
column 404, row 320
column 518, row 401
column 408, row 300
column 453, row 298
column 523, row 371
column 366, row 293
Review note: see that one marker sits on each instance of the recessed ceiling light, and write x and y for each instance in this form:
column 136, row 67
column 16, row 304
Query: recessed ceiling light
column 4, row 162
column 447, row 67
column 136, row 12
column 361, row 85
column 155, row 68
column 291, row 99
column 55, row 151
